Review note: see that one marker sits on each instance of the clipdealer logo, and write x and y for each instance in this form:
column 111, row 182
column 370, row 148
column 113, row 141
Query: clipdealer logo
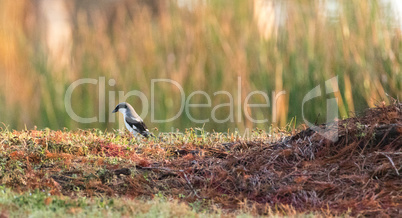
column 330, row 130
column 236, row 106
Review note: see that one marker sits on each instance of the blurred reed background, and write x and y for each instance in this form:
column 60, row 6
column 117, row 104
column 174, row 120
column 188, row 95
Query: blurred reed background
column 291, row 45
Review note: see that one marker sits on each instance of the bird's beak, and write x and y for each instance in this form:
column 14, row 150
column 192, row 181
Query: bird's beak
column 115, row 110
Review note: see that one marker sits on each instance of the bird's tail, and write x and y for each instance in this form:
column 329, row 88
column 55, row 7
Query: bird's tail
column 148, row 134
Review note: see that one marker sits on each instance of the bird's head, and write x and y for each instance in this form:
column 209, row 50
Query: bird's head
column 122, row 107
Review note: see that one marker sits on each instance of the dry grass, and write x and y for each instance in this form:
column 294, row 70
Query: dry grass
column 359, row 174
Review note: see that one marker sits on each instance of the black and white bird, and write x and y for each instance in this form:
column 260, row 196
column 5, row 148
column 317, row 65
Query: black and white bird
column 133, row 122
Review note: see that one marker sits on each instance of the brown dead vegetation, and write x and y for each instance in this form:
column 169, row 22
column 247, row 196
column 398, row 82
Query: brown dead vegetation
column 360, row 173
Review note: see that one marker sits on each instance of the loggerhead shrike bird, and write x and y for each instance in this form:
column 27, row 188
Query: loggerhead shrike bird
column 133, row 122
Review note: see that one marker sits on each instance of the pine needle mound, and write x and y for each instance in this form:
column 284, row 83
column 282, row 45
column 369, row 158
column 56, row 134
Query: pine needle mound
column 358, row 174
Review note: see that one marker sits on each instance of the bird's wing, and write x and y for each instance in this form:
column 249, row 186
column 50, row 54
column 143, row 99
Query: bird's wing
column 138, row 125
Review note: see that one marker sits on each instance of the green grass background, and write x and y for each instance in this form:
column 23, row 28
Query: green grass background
column 207, row 48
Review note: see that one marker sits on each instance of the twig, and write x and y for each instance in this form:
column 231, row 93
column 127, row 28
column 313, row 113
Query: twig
column 396, row 153
column 156, row 168
column 189, row 183
column 392, row 162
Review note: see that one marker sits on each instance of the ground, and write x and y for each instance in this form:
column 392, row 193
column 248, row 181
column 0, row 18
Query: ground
column 95, row 173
